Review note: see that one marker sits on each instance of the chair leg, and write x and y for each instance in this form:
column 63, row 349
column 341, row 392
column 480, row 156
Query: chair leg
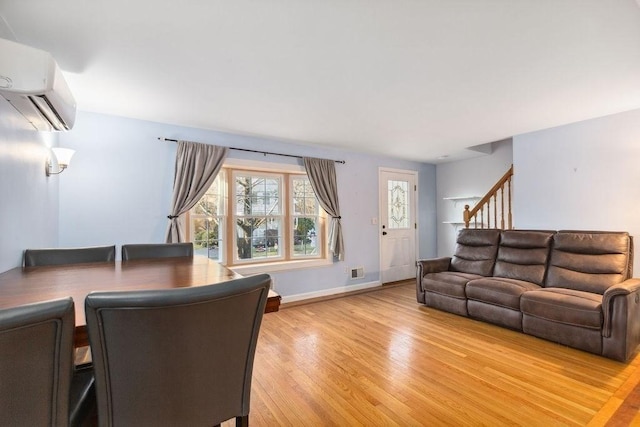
column 242, row 421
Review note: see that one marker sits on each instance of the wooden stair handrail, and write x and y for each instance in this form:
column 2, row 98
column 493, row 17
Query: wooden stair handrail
column 499, row 186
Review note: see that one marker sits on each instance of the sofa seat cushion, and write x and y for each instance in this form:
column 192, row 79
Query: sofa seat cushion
column 449, row 283
column 567, row 306
column 499, row 291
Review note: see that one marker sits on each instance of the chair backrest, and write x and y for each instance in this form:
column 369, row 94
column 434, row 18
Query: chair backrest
column 590, row 261
column 476, row 251
column 156, row 250
column 36, row 362
column 523, row 255
column 41, row 257
column 175, row 357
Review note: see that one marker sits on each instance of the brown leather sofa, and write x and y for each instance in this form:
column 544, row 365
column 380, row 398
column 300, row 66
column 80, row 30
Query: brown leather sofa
column 571, row 287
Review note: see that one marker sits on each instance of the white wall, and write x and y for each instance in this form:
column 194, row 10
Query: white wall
column 580, row 176
column 470, row 177
column 118, row 190
column 28, row 199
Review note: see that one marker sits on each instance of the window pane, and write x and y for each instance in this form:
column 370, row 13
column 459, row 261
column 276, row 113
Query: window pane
column 257, row 195
column 243, row 195
column 304, row 199
column 311, row 206
column 243, row 185
column 203, row 207
column 243, row 205
column 258, row 237
column 305, row 237
column 244, row 231
column 207, row 237
column 298, row 205
column 272, row 197
column 305, row 206
column 257, row 206
column 271, row 186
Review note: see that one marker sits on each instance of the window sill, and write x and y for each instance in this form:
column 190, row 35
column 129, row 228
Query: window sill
column 273, row 267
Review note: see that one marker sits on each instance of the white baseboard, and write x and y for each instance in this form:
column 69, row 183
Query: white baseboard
column 328, row 292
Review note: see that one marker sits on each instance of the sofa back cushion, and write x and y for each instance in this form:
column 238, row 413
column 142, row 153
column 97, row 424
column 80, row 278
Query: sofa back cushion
column 523, row 255
column 589, row 261
column 476, row 251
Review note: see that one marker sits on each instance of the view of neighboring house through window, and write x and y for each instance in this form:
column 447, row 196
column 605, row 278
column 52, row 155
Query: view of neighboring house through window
column 255, row 216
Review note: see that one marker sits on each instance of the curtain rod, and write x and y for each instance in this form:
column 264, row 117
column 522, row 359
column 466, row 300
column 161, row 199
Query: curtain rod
column 253, row 151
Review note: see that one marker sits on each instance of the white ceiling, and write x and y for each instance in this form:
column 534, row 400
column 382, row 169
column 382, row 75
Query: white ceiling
column 407, row 78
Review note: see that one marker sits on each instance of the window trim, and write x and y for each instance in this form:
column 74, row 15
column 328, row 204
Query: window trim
column 272, row 267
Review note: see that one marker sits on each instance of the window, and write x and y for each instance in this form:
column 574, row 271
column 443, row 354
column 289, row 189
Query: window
column 258, row 215
column 207, row 221
column 306, row 217
column 267, row 217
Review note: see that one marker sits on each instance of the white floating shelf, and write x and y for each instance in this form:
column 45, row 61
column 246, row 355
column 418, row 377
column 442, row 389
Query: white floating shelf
column 456, row 198
column 457, row 225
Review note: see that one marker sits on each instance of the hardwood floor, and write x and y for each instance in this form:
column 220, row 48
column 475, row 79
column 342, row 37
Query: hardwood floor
column 380, row 358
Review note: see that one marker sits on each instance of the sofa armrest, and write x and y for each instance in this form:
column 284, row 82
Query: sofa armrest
column 425, row 266
column 624, row 289
column 433, row 265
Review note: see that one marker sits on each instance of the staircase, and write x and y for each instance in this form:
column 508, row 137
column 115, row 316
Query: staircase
column 494, row 209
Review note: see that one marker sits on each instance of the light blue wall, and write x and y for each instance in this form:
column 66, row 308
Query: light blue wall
column 28, row 199
column 584, row 175
column 470, row 177
column 118, row 190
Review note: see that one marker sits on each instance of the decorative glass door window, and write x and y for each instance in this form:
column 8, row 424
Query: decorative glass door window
column 398, row 204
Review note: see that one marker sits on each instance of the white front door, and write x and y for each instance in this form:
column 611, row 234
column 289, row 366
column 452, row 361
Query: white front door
column 397, row 226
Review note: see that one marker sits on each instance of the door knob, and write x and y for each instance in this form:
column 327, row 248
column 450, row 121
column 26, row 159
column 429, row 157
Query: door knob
column 384, row 233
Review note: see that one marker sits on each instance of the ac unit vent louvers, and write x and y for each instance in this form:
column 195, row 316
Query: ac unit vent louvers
column 47, row 109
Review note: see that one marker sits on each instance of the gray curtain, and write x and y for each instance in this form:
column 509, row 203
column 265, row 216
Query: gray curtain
column 322, row 176
column 197, row 166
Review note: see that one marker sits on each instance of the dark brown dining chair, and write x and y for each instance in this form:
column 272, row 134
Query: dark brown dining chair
column 177, row 357
column 156, row 250
column 58, row 256
column 38, row 382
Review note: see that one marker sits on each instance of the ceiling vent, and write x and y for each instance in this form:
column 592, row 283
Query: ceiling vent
column 32, row 82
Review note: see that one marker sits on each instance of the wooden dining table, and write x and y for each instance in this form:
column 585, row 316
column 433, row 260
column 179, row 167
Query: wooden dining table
column 24, row 285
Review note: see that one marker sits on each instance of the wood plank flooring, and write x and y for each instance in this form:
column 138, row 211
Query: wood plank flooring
column 381, row 359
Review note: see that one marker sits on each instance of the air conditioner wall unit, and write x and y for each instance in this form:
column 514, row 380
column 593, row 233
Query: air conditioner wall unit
column 32, row 82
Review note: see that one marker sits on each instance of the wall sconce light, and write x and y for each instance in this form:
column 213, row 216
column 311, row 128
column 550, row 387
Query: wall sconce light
column 63, row 158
